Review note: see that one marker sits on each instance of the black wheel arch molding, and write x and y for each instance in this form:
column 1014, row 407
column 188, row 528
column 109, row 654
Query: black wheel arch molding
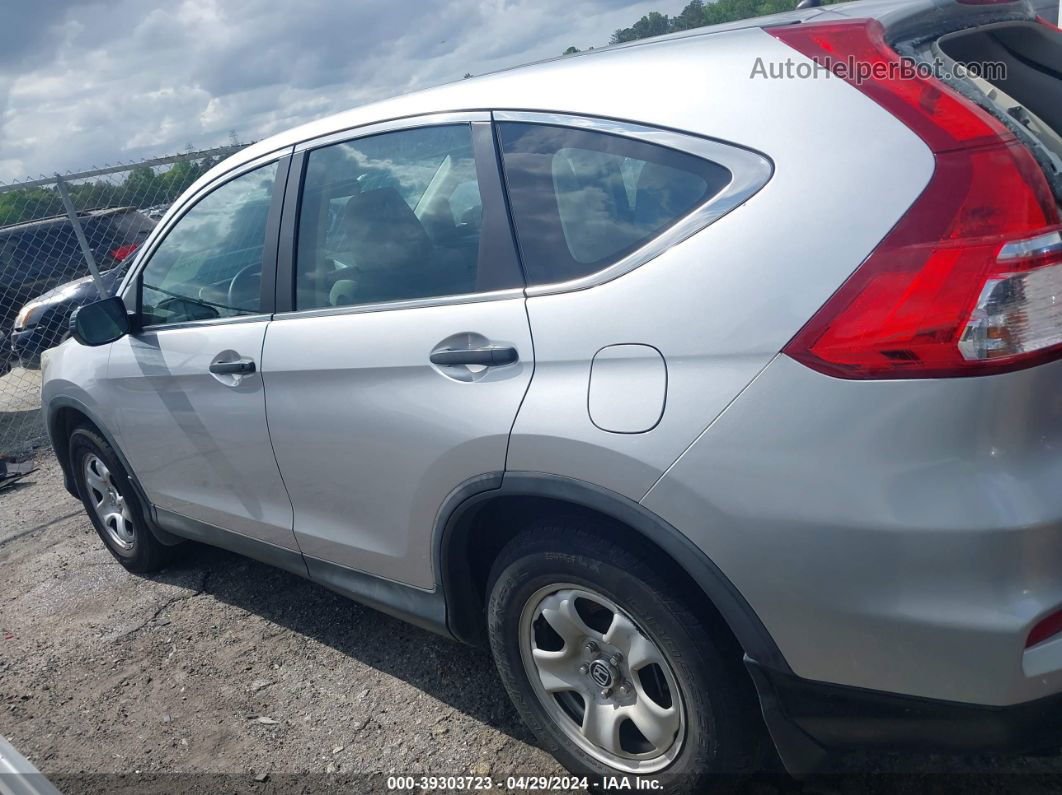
column 457, row 514
column 58, row 434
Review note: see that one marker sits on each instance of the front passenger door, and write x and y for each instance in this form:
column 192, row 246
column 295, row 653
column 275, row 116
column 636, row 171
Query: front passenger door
column 193, row 421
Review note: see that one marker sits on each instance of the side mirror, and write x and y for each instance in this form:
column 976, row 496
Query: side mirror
column 101, row 322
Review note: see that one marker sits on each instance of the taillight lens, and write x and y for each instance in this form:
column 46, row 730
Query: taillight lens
column 940, row 117
column 1046, row 628
column 969, row 281
column 122, row 252
column 1019, row 313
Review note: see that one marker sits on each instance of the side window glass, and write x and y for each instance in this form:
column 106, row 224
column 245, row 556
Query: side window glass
column 466, row 206
column 583, row 200
column 209, row 265
column 389, row 217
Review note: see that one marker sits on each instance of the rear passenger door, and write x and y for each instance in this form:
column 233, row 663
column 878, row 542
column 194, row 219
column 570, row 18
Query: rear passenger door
column 400, row 350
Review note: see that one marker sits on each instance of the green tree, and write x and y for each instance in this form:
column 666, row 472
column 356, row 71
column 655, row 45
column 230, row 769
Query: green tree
column 174, row 182
column 28, row 204
column 692, row 16
column 699, row 13
column 652, row 24
column 141, row 187
column 733, row 10
column 571, row 51
column 94, row 195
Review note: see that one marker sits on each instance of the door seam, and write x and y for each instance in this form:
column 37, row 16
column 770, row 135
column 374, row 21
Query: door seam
column 269, row 435
column 527, row 389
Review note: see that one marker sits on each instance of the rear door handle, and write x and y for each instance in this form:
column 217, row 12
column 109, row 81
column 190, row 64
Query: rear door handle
column 236, row 367
column 487, row 357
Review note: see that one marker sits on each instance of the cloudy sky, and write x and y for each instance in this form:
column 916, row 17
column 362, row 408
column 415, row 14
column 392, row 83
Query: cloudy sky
column 84, row 82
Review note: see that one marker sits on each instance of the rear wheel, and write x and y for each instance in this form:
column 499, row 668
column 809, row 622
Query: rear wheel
column 112, row 506
column 612, row 668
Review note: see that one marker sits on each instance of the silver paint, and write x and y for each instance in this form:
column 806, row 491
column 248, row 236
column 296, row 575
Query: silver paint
column 200, row 447
column 893, row 535
column 628, row 388
column 371, row 437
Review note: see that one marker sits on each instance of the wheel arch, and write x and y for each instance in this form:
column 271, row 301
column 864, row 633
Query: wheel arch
column 67, row 413
column 467, row 539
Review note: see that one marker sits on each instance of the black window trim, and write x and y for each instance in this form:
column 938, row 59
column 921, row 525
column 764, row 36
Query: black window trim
column 750, row 171
column 269, row 250
column 492, row 192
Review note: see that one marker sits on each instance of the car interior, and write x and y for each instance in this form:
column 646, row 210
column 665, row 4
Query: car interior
column 361, row 241
column 203, row 285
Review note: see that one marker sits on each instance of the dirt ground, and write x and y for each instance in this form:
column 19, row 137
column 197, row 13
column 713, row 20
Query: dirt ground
column 221, row 674
column 20, row 410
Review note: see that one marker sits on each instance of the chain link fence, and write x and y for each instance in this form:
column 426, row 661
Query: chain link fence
column 46, row 245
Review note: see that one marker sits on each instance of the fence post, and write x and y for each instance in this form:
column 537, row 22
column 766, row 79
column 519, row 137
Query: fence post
column 71, row 213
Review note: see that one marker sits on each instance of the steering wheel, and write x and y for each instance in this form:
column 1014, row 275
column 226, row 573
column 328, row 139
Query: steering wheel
column 246, row 279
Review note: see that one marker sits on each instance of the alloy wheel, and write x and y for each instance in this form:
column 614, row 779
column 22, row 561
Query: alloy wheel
column 108, row 502
column 602, row 679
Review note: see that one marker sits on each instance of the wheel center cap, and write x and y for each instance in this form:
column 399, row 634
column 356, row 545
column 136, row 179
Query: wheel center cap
column 601, row 673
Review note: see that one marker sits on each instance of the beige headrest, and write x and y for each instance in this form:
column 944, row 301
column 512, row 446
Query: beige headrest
column 344, row 293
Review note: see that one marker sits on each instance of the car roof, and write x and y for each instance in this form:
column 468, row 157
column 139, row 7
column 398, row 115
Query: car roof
column 469, row 94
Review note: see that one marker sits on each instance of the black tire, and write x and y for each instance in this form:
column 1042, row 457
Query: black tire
column 725, row 739
column 144, row 553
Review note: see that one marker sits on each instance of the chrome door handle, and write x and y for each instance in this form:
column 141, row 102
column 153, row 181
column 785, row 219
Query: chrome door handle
column 236, row 367
column 486, row 357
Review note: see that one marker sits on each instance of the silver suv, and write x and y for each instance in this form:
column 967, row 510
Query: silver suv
column 712, row 381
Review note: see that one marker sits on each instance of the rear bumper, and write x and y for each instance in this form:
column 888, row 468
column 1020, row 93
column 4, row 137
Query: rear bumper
column 898, row 536
column 807, row 720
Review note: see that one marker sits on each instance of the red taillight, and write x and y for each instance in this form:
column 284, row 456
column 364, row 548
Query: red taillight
column 950, row 291
column 1049, row 23
column 940, row 117
column 1046, row 628
column 122, row 252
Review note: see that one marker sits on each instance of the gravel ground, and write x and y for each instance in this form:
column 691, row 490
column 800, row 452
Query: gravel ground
column 223, row 674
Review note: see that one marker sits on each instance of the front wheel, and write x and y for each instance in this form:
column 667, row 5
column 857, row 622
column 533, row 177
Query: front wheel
column 111, row 504
column 613, row 668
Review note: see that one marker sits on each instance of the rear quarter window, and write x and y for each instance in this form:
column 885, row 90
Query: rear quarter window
column 582, row 200
column 131, row 227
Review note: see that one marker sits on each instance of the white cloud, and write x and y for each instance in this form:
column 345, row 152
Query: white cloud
column 106, row 82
